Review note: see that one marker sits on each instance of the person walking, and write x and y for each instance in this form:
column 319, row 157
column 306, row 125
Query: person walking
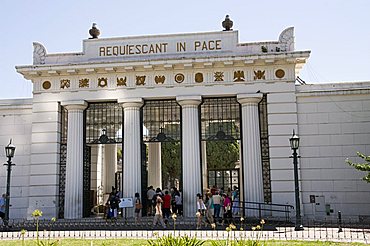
column 217, row 205
column 210, row 208
column 113, row 203
column 178, row 201
column 166, row 206
column 2, row 208
column 227, row 209
column 150, row 202
column 138, row 207
column 235, row 199
column 201, row 210
column 158, row 217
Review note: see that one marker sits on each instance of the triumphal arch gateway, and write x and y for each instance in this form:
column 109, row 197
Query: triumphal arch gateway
column 167, row 110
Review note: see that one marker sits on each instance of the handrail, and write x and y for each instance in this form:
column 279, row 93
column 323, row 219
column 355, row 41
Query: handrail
column 271, row 207
column 274, row 204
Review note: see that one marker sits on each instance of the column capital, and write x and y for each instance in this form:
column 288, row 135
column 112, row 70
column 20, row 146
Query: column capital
column 135, row 102
column 193, row 100
column 250, row 98
column 70, row 105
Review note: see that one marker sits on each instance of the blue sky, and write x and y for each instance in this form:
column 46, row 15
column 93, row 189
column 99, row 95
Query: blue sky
column 336, row 31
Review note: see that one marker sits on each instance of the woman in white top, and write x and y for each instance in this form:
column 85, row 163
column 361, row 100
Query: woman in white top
column 201, row 210
column 158, row 217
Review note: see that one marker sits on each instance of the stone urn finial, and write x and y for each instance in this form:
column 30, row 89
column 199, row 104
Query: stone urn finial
column 94, row 32
column 227, row 23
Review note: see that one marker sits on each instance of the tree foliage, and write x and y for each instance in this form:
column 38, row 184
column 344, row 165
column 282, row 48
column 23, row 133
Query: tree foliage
column 222, row 149
column 222, row 154
column 365, row 167
column 171, row 166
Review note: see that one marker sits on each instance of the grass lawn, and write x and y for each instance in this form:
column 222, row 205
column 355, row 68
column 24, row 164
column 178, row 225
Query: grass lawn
column 137, row 242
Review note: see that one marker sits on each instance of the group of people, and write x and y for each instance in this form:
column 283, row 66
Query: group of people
column 161, row 204
column 216, row 206
column 215, row 203
column 172, row 201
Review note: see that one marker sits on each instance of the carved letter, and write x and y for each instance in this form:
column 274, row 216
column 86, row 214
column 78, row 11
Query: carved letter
column 196, row 45
column 101, row 51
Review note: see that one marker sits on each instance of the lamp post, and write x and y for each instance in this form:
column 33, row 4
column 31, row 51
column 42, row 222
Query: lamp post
column 9, row 151
column 294, row 144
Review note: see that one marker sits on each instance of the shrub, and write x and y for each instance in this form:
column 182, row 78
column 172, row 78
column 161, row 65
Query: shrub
column 173, row 241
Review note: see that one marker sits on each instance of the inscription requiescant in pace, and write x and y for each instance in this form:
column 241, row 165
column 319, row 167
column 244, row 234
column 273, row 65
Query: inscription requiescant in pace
column 159, row 48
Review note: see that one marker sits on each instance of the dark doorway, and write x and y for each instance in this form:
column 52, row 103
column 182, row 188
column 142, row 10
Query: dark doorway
column 161, row 146
column 220, row 136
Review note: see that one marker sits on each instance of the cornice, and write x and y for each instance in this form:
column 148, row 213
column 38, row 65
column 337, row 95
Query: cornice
column 333, row 89
column 162, row 64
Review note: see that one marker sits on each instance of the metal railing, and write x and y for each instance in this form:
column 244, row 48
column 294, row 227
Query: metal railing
column 98, row 228
column 265, row 208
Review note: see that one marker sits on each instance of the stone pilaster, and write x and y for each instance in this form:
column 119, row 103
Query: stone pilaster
column 191, row 166
column 154, row 165
column 251, row 143
column 73, row 201
column 131, row 147
column 99, row 172
column 204, row 164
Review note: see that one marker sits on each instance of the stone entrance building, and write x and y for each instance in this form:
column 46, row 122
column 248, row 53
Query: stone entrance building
column 110, row 114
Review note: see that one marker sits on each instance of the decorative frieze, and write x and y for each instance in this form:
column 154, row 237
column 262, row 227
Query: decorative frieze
column 219, row 76
column 179, row 78
column 153, row 78
column 239, row 76
column 140, row 80
column 46, row 85
column 199, row 77
column 121, row 81
column 102, row 82
column 159, row 79
column 83, row 83
column 65, row 83
column 280, row 73
column 259, row 74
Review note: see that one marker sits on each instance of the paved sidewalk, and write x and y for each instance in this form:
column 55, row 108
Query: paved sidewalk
column 126, row 228
column 281, row 233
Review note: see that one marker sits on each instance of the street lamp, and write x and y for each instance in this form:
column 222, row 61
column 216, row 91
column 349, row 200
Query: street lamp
column 294, row 144
column 9, row 151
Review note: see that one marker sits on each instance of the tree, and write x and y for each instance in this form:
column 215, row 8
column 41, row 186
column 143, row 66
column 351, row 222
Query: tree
column 222, row 154
column 365, row 167
column 222, row 149
column 171, row 166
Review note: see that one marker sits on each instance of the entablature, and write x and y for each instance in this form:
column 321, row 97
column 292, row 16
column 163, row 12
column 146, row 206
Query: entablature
column 31, row 72
column 194, row 59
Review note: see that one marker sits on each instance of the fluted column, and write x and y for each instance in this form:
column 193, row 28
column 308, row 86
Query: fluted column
column 191, row 166
column 110, row 166
column 73, row 201
column 251, row 142
column 154, row 165
column 131, row 148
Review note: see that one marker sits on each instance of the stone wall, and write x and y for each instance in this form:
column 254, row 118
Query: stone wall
column 333, row 124
column 15, row 123
column 44, row 165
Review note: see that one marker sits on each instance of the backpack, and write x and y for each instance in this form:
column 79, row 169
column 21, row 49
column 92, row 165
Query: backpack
column 154, row 199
